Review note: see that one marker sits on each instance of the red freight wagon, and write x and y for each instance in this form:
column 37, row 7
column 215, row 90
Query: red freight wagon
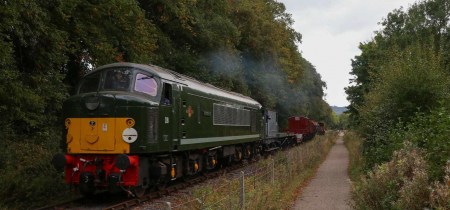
column 312, row 129
column 321, row 128
column 302, row 127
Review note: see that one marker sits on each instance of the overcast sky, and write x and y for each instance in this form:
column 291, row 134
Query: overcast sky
column 332, row 31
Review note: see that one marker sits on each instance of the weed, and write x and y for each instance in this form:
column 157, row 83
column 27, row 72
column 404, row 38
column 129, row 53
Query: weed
column 291, row 170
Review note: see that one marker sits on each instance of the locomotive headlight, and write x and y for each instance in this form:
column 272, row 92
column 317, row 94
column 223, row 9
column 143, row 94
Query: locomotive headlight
column 130, row 123
column 67, row 123
column 129, row 135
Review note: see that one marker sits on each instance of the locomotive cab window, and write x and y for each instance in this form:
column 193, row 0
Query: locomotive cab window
column 167, row 95
column 90, row 84
column 146, row 84
column 118, row 79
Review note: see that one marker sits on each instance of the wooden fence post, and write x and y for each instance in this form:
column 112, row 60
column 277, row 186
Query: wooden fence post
column 289, row 163
column 272, row 174
column 202, row 202
column 167, row 206
column 229, row 193
column 242, row 190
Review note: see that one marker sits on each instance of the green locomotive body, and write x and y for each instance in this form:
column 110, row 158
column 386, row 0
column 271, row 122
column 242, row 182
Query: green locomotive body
column 143, row 125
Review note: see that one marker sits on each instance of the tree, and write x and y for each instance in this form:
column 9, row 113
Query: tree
column 344, row 121
column 45, row 47
column 413, row 80
column 422, row 20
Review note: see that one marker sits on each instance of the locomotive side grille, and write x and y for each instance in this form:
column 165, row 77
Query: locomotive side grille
column 225, row 115
column 199, row 113
column 253, row 130
column 152, row 125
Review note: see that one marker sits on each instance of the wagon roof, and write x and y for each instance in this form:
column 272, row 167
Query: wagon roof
column 298, row 116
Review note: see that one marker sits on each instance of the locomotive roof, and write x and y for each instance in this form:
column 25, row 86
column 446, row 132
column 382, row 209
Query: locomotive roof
column 183, row 80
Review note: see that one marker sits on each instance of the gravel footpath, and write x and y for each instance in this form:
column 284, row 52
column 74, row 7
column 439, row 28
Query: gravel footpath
column 330, row 188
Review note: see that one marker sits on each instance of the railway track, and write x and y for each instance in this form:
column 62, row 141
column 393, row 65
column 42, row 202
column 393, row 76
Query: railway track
column 63, row 205
column 127, row 203
column 158, row 194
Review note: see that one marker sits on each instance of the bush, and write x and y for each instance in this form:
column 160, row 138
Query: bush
column 430, row 132
column 417, row 175
column 354, row 142
column 28, row 179
column 402, row 183
column 414, row 78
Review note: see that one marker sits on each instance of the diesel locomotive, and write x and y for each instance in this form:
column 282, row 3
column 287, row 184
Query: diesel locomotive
column 131, row 127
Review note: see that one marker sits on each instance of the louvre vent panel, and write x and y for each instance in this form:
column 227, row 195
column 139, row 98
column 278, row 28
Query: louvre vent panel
column 198, row 112
column 224, row 115
column 253, row 123
column 152, row 125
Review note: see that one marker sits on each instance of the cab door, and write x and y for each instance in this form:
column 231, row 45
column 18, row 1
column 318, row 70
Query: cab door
column 166, row 117
column 176, row 109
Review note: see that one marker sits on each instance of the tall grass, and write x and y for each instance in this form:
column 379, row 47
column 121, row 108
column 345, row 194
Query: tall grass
column 354, row 144
column 402, row 183
column 291, row 170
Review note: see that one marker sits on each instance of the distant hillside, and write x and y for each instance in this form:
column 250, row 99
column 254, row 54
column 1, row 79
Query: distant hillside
column 338, row 109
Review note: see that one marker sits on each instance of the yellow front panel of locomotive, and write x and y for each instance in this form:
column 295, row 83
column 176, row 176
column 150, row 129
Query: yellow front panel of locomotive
column 89, row 134
column 96, row 135
column 73, row 135
column 106, row 132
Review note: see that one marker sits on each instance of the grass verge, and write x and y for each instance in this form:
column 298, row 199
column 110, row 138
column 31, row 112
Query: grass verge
column 401, row 183
column 291, row 170
column 354, row 146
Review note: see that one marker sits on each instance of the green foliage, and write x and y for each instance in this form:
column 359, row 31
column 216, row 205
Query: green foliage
column 344, row 121
column 46, row 45
column 30, row 180
column 335, row 120
column 414, row 79
column 420, row 22
column 244, row 46
column 402, row 183
column 363, row 66
column 430, row 132
column 354, row 143
column 399, row 103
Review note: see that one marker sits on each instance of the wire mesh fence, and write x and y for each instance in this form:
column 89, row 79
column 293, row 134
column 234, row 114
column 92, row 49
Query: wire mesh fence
column 239, row 191
column 232, row 194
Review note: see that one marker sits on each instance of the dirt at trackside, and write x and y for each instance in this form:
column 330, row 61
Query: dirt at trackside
column 330, row 188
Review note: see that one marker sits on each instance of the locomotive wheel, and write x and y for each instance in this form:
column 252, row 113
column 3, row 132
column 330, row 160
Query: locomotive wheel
column 138, row 191
column 161, row 185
